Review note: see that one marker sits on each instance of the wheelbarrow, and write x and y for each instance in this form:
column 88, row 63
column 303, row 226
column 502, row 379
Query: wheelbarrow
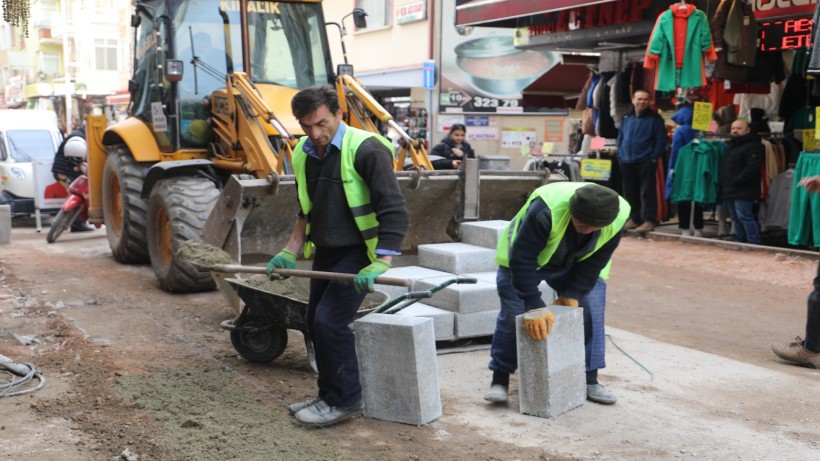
column 260, row 335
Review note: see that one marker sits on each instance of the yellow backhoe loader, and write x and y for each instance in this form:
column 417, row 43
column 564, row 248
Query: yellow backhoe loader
column 205, row 152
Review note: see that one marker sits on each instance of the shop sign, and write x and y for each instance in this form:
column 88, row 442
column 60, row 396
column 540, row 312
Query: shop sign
column 554, row 130
column 482, row 71
column 15, row 90
column 411, row 12
column 518, row 138
column 768, row 9
column 595, row 16
column 702, row 116
column 786, row 34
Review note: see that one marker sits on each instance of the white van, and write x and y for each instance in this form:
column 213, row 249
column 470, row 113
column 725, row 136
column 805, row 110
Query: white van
column 26, row 136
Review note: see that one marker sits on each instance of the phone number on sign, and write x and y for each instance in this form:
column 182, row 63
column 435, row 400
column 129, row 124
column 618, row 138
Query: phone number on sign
column 492, row 102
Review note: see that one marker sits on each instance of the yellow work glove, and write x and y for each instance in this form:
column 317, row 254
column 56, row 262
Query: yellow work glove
column 538, row 323
column 564, row 301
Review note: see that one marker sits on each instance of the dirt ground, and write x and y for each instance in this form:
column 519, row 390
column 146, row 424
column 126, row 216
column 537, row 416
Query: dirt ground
column 133, row 373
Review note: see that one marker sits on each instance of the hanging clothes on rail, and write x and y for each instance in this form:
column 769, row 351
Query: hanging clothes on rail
column 804, row 215
column 774, row 211
column 678, row 46
column 697, row 170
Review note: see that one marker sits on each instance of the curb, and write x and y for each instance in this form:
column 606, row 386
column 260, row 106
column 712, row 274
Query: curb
column 727, row 245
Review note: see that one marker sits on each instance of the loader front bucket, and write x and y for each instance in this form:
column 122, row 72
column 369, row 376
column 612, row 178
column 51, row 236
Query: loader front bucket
column 253, row 218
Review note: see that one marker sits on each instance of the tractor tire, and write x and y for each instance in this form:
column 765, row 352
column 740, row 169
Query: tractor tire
column 124, row 209
column 177, row 211
column 61, row 223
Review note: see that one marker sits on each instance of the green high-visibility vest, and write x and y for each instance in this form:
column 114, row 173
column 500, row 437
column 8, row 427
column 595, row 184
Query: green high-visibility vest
column 557, row 196
column 356, row 191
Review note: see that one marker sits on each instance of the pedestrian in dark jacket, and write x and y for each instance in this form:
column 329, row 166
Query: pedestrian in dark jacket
column 452, row 149
column 641, row 142
column 740, row 177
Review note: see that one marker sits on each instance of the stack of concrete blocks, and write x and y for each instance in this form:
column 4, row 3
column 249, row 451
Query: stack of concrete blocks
column 459, row 310
column 551, row 377
column 5, row 224
column 398, row 369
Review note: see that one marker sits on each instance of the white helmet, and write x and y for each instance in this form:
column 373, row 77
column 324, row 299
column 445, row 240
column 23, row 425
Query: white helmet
column 75, row 147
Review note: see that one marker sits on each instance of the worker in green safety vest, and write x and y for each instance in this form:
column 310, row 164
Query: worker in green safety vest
column 352, row 220
column 565, row 235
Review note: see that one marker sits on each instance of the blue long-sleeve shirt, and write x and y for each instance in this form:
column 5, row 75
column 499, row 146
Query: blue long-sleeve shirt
column 641, row 137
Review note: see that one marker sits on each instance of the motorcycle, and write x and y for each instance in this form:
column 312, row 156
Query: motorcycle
column 75, row 205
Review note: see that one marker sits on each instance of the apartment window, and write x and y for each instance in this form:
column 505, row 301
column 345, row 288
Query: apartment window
column 50, row 63
column 105, row 54
column 378, row 12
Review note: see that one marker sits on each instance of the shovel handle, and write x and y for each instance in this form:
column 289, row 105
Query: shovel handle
column 340, row 277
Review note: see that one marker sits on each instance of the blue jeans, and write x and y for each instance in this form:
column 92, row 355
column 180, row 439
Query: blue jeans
column 743, row 220
column 504, row 353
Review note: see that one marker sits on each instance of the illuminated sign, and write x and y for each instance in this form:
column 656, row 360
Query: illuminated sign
column 785, row 34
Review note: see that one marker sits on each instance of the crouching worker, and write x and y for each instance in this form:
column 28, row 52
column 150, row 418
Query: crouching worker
column 565, row 235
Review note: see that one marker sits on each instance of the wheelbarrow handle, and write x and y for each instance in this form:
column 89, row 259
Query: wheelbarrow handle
column 336, row 276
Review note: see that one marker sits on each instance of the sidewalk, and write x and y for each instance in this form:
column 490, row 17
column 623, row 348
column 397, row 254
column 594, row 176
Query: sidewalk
column 688, row 405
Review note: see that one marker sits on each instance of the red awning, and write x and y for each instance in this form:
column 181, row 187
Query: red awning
column 482, row 11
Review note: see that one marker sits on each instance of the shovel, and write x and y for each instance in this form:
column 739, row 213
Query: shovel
column 335, row 276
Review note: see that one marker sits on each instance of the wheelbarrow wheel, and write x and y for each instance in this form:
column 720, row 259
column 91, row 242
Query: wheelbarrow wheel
column 258, row 342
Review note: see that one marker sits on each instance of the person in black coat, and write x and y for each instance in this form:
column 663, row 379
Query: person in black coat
column 740, row 177
column 452, row 149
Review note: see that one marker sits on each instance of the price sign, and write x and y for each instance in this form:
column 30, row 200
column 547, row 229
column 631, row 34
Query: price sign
column 702, row 116
column 596, row 168
column 809, row 141
column 816, row 125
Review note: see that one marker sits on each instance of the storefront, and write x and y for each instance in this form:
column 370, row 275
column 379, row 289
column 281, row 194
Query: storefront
column 769, row 87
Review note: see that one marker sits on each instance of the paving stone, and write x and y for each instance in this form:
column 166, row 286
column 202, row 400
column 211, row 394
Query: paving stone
column 476, row 324
column 462, row 298
column 457, row 258
column 398, row 368
column 482, row 233
column 5, row 224
column 443, row 321
column 407, row 272
column 551, row 377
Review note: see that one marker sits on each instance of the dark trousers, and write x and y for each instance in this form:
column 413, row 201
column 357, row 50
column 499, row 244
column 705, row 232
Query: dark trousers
column 332, row 306
column 812, row 340
column 685, row 212
column 639, row 190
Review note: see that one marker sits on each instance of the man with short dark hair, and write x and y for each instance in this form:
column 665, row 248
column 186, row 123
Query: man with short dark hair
column 740, row 180
column 642, row 141
column 564, row 235
column 352, row 213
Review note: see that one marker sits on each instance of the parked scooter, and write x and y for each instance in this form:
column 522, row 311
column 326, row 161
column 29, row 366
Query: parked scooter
column 76, row 205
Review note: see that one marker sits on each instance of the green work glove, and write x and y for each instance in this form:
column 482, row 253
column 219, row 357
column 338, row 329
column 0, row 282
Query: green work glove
column 365, row 278
column 283, row 260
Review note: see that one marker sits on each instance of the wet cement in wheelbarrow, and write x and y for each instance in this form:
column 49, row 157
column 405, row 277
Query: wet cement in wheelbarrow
column 298, row 288
column 208, row 256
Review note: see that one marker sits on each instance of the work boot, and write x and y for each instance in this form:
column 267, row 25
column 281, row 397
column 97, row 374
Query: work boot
column 598, row 394
column 323, row 414
column 797, row 353
column 630, row 225
column 497, row 394
column 81, row 227
column 294, row 408
column 647, row 226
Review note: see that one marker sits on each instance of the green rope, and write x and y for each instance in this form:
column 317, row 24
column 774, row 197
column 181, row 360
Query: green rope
column 651, row 376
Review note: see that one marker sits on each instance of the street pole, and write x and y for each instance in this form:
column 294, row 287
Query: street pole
column 66, row 56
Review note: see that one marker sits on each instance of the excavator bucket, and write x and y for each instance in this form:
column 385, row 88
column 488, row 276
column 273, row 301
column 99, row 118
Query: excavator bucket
column 253, row 218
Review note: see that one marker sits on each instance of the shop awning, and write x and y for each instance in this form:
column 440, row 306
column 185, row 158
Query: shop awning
column 482, row 12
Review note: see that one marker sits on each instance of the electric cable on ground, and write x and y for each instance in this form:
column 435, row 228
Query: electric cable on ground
column 651, row 375
column 13, row 386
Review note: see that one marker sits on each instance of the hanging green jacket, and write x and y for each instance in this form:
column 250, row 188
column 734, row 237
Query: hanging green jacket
column 662, row 47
